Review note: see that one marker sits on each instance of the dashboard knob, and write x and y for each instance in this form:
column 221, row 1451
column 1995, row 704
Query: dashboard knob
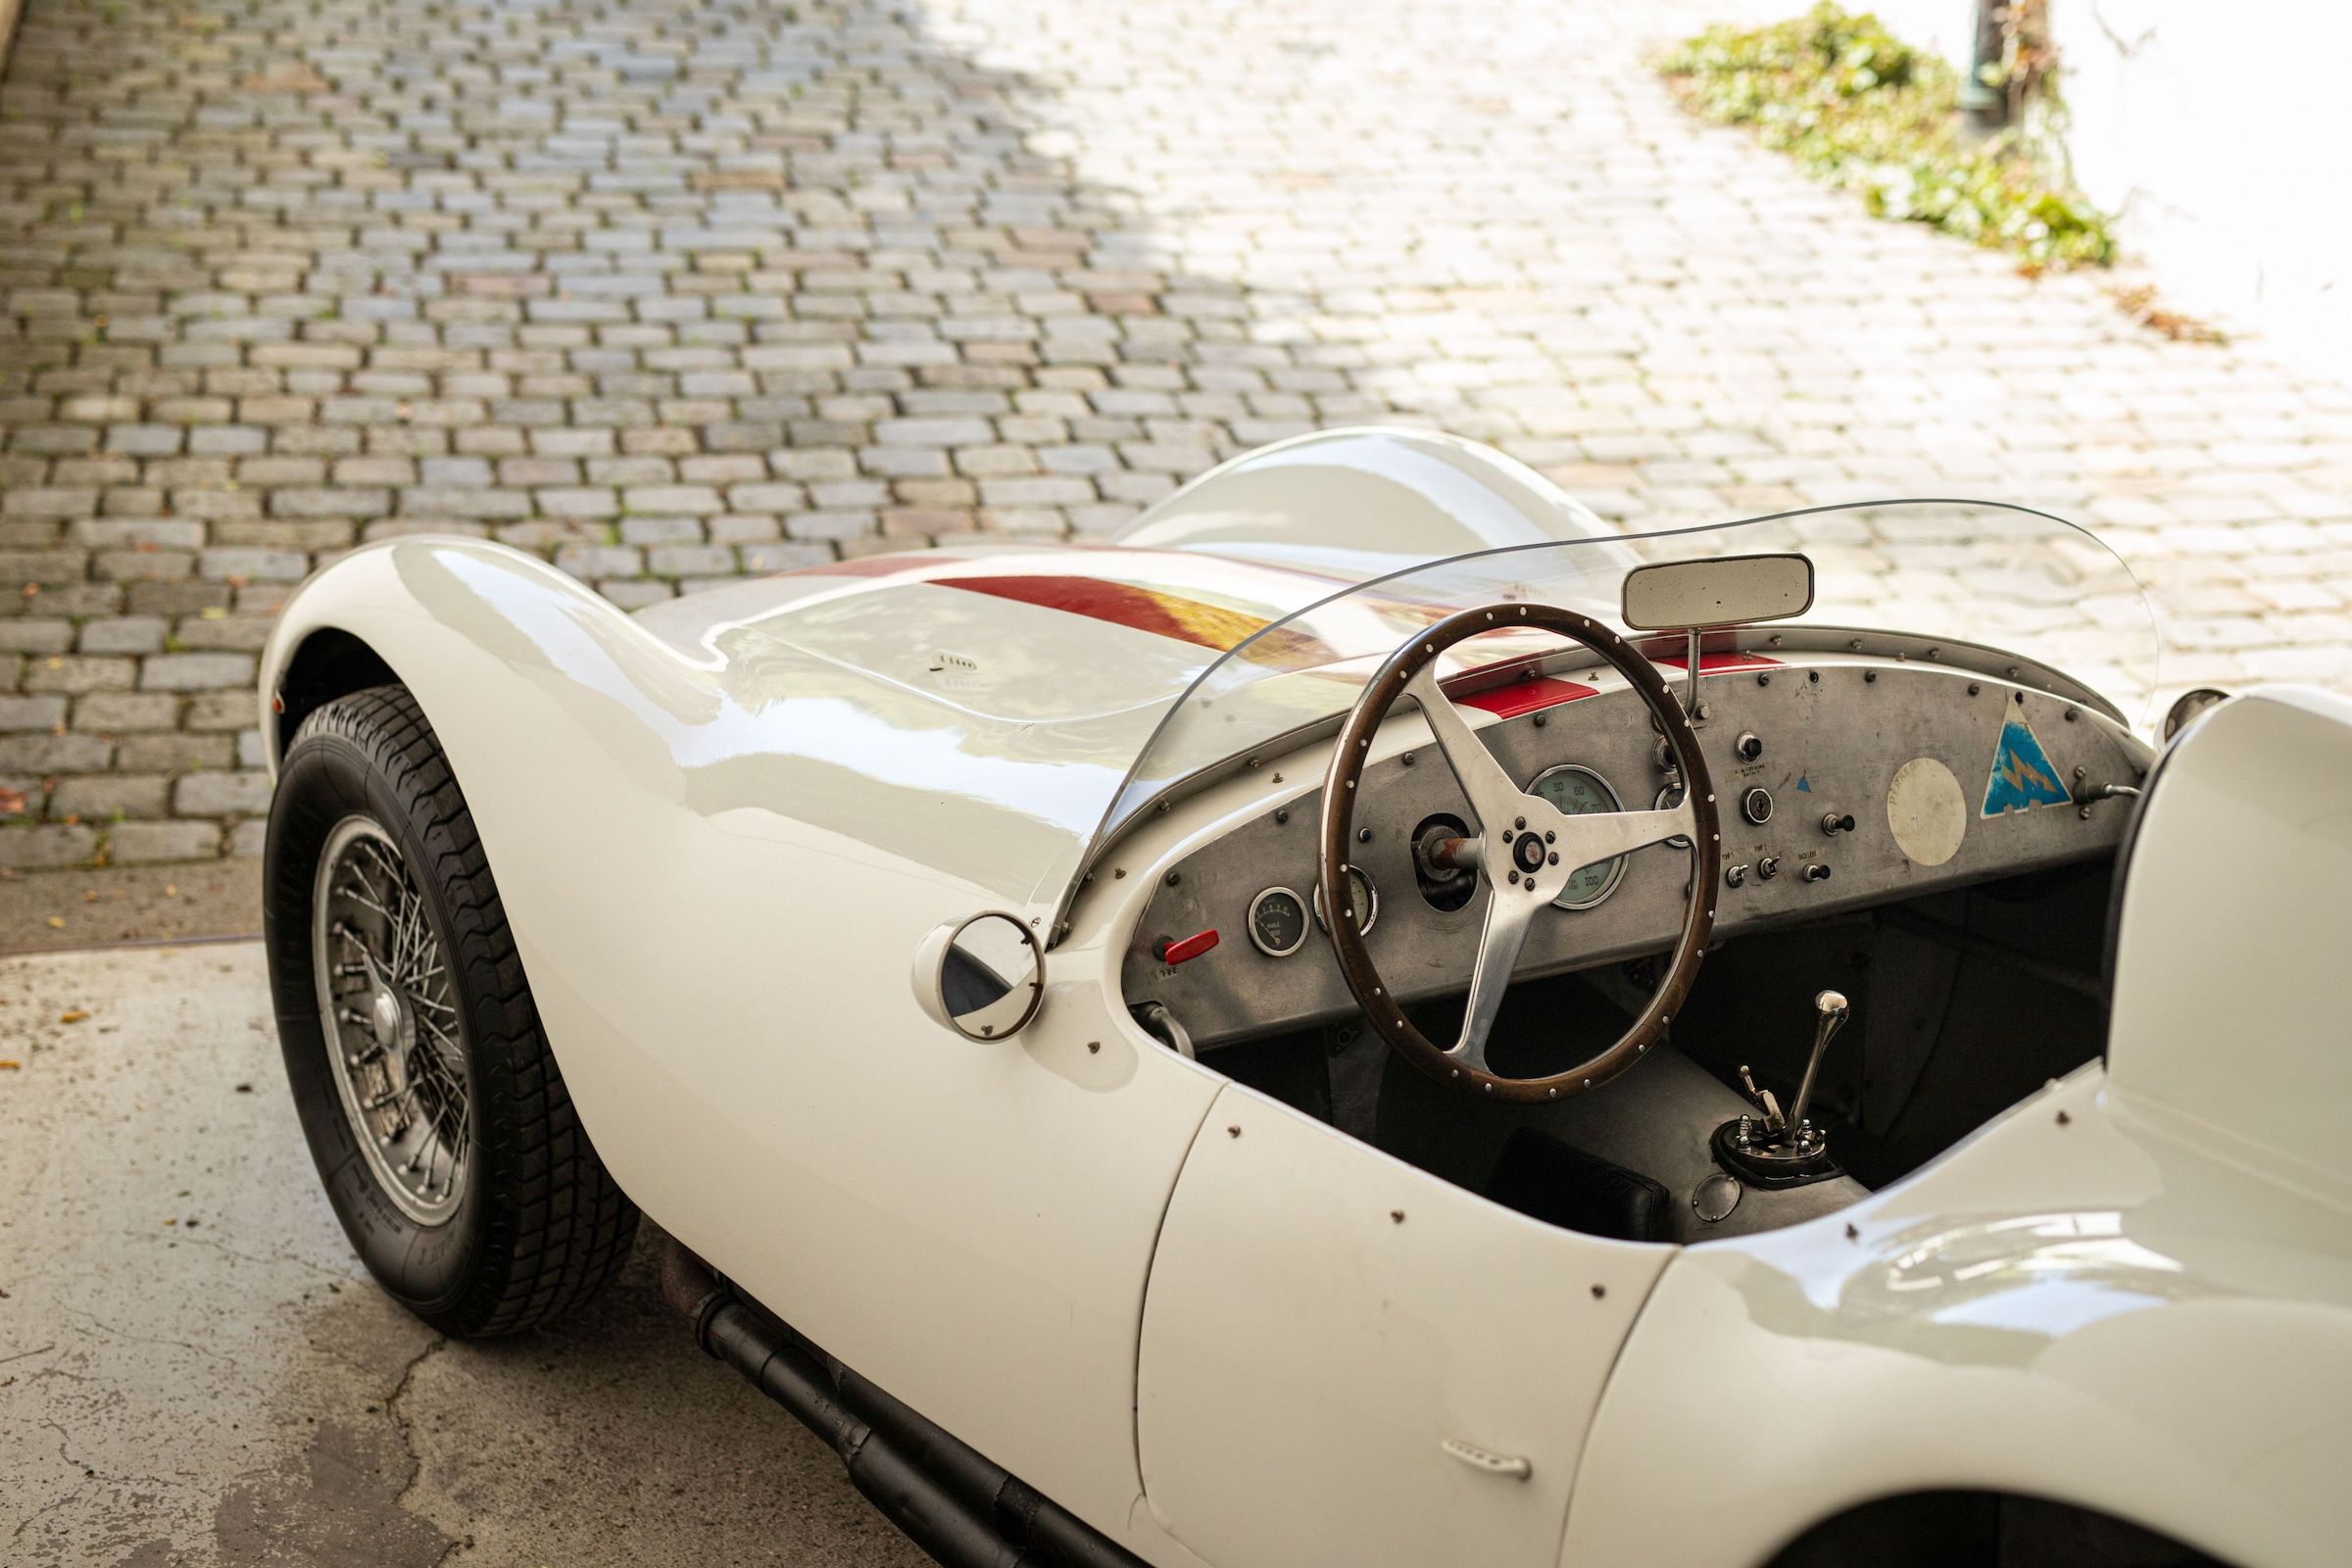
column 1833, row 824
column 1817, row 872
column 1769, row 867
column 1757, row 806
column 1735, row 875
column 1749, row 746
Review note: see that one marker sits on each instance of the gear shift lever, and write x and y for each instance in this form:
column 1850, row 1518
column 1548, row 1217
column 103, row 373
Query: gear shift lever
column 1785, row 1151
column 1830, row 1011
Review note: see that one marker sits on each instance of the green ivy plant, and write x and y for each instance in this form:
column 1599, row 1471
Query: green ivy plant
column 1859, row 108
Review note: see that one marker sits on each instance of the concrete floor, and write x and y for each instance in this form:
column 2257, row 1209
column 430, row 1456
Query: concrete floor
column 85, row 908
column 193, row 1369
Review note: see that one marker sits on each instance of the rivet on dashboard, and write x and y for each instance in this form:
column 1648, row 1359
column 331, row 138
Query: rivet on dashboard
column 1542, row 720
column 1551, row 838
column 1869, row 678
column 1282, row 816
column 1363, row 835
column 2072, row 715
column 1408, row 759
column 1175, row 877
column 1554, row 857
column 1763, row 680
column 1514, row 879
column 1975, row 690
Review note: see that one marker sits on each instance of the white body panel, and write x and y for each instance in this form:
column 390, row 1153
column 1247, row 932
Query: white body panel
column 2079, row 1309
column 722, row 829
column 1323, row 1319
column 2231, row 1018
column 1359, row 503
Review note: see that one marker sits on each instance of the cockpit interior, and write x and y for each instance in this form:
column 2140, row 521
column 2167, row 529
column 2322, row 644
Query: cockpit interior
column 1699, row 929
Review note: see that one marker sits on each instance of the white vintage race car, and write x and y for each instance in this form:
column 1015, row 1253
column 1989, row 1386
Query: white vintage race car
column 1209, row 1031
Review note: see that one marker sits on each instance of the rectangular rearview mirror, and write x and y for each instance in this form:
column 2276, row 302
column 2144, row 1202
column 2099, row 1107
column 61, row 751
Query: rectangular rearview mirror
column 1725, row 591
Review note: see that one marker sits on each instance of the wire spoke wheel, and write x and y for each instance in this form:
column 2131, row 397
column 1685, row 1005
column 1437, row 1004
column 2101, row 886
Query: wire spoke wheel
column 389, row 1016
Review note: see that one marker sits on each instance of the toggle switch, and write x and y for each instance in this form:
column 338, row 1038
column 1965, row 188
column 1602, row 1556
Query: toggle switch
column 1191, row 947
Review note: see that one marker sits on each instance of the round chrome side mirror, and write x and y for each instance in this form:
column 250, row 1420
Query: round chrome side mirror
column 983, row 977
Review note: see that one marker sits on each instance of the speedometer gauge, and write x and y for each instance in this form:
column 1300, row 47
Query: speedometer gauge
column 1581, row 792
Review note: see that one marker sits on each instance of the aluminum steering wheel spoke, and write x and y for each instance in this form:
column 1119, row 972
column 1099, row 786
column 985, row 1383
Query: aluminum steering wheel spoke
column 1494, row 798
column 1605, row 835
column 1510, row 911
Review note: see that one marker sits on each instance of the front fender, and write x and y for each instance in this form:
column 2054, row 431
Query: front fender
column 716, row 870
column 483, row 633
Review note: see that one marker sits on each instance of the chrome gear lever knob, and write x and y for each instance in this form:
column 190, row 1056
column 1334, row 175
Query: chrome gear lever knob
column 1830, row 1011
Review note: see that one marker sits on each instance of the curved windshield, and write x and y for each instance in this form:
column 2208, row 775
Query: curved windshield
column 1975, row 584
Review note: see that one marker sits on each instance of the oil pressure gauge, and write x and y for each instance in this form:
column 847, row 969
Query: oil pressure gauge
column 1277, row 922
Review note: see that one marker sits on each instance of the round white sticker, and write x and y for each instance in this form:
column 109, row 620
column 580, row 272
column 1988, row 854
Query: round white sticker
column 1927, row 811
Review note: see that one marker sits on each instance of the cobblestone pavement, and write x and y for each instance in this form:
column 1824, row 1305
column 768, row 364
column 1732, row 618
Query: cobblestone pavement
column 673, row 292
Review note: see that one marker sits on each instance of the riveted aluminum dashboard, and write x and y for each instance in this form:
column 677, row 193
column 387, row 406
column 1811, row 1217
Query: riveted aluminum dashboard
column 1832, row 733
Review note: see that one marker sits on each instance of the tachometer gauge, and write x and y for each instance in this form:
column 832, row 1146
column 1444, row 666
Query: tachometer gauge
column 1581, row 792
column 1278, row 922
column 1365, row 896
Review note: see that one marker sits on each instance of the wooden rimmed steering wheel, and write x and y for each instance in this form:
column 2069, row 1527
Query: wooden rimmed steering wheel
column 1527, row 849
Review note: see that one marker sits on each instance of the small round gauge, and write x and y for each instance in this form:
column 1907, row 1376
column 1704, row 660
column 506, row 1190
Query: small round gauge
column 1362, row 894
column 1581, row 792
column 1278, row 922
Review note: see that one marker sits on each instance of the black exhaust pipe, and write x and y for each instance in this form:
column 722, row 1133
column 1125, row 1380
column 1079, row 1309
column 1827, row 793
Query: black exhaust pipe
column 962, row 1510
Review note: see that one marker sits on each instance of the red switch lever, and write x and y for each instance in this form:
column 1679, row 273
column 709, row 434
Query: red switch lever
column 1191, row 946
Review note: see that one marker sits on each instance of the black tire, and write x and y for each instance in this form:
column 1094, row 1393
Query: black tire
column 538, row 1226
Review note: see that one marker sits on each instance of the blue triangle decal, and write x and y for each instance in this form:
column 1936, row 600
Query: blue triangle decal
column 1805, row 784
column 2023, row 774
